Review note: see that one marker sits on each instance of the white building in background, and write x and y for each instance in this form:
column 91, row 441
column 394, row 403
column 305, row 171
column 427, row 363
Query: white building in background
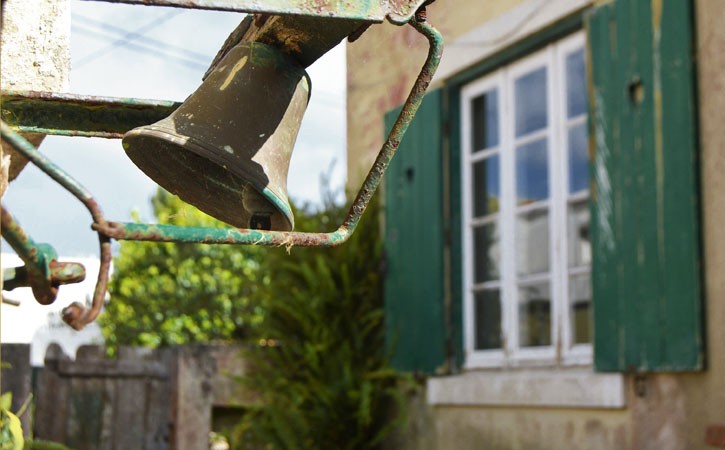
column 41, row 325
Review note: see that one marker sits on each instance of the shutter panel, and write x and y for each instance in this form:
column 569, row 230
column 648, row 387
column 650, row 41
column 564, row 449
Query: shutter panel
column 414, row 306
column 645, row 217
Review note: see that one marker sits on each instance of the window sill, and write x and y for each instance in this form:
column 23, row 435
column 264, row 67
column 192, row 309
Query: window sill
column 566, row 388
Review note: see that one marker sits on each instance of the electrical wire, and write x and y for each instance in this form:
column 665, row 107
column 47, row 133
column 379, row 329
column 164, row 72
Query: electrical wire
column 137, row 41
column 126, row 37
column 137, row 35
column 139, row 47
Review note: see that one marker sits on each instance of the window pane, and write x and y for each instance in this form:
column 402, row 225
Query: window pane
column 485, row 120
column 532, row 242
column 530, row 102
column 488, row 319
column 534, row 315
column 576, row 99
column 486, row 252
column 532, row 172
column 580, row 300
column 578, row 158
column 580, row 247
column 486, row 192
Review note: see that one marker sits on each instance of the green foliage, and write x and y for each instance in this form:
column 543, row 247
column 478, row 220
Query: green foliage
column 167, row 293
column 319, row 367
column 11, row 431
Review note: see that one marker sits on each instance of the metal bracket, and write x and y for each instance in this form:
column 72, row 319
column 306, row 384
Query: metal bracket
column 42, row 271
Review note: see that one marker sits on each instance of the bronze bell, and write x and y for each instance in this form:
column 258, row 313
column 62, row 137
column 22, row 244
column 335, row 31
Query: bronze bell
column 226, row 149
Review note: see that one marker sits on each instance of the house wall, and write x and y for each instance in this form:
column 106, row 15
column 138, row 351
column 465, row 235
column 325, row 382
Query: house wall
column 660, row 411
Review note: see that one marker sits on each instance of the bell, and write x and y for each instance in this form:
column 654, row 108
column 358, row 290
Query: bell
column 226, row 149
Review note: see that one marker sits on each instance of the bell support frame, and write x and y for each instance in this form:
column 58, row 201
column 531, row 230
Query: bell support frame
column 76, row 314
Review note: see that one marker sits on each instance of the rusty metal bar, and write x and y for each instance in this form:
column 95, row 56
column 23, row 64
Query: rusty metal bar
column 76, row 315
column 169, row 233
column 79, row 115
column 398, row 11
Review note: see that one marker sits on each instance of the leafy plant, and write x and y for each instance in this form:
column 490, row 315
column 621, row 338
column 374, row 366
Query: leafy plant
column 317, row 355
column 11, row 431
column 168, row 293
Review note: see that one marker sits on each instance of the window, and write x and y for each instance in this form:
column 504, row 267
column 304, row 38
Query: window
column 525, row 184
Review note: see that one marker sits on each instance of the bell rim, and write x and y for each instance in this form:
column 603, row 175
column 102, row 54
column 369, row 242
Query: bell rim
column 191, row 144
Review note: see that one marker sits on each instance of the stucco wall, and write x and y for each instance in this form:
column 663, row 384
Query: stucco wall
column 34, row 53
column 664, row 411
column 382, row 66
column 35, row 45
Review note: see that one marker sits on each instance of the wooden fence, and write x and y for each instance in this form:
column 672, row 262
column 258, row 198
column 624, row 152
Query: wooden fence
column 144, row 400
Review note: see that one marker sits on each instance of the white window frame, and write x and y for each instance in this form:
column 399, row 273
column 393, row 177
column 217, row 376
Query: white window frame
column 561, row 350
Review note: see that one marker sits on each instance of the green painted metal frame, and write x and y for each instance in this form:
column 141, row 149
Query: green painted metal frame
column 79, row 115
column 76, row 315
column 42, row 271
column 26, row 111
column 397, row 11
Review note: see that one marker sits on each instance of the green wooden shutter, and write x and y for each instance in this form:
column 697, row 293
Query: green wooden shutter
column 414, row 305
column 645, row 220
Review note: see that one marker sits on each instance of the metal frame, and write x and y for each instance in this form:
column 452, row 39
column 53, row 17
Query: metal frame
column 397, row 11
column 68, row 115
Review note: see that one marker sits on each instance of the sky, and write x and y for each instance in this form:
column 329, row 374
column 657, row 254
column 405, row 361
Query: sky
column 157, row 53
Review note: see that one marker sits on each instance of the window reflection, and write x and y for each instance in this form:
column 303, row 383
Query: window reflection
column 532, row 172
column 530, row 102
column 532, row 242
column 486, row 252
column 578, row 158
column 580, row 300
column 486, row 186
column 535, row 315
column 488, row 319
column 579, row 241
column 485, row 120
column 576, row 99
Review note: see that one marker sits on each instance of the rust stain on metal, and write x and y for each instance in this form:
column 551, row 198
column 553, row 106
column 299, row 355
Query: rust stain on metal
column 715, row 435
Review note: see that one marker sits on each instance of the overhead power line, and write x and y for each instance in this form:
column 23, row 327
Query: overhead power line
column 125, row 38
column 141, row 48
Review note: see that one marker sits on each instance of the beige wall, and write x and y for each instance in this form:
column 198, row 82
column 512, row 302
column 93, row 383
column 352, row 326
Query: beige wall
column 382, row 66
column 34, row 53
column 664, row 411
column 36, row 45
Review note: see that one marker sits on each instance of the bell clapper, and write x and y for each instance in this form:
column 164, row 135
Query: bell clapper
column 259, row 208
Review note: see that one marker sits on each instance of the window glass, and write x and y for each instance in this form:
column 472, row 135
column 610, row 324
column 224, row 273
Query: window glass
column 535, row 315
column 579, row 241
column 578, row 158
column 485, row 120
column 486, row 244
column 532, row 172
column 580, row 301
column 488, row 319
column 532, row 242
column 530, row 102
column 486, row 197
column 576, row 95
